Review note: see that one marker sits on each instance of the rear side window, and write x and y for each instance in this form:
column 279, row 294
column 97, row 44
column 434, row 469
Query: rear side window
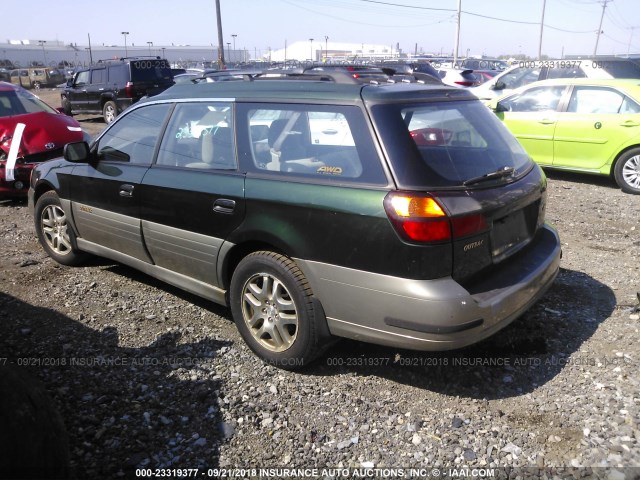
column 600, row 100
column 117, row 74
column 329, row 143
column 446, row 144
column 150, row 70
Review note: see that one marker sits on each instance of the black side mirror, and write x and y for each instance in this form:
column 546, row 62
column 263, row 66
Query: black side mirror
column 500, row 85
column 500, row 107
column 76, row 152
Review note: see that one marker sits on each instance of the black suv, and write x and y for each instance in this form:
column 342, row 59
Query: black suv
column 398, row 214
column 110, row 86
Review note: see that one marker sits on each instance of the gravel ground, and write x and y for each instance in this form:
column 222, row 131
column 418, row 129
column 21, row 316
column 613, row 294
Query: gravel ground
column 147, row 376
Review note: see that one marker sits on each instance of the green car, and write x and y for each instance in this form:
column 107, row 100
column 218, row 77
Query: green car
column 582, row 125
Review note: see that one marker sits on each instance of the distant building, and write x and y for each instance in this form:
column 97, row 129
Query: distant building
column 54, row 52
column 319, row 51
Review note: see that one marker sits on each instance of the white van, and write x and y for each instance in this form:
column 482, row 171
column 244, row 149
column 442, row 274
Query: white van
column 529, row 71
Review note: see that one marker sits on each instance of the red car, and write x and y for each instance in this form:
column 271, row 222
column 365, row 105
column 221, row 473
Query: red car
column 45, row 133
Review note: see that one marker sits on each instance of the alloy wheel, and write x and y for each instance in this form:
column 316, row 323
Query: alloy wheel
column 631, row 171
column 54, row 228
column 269, row 312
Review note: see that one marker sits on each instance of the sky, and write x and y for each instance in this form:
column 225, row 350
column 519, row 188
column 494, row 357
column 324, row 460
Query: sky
column 489, row 27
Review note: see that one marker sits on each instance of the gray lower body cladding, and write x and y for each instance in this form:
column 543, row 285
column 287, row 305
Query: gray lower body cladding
column 432, row 314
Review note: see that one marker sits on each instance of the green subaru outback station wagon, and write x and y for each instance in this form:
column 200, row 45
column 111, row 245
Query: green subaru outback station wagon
column 397, row 214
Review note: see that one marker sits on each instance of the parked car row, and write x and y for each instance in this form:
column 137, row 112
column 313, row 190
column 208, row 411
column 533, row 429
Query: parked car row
column 282, row 172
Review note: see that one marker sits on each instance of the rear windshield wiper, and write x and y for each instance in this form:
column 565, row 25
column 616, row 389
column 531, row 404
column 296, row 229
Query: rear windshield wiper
column 500, row 173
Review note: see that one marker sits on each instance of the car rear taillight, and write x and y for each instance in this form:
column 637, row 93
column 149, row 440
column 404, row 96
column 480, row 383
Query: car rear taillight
column 421, row 218
column 128, row 90
column 464, row 83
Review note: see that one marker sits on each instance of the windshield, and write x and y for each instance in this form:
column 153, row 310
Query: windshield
column 19, row 102
column 446, row 144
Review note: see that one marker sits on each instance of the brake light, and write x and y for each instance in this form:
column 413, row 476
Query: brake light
column 464, row 83
column 128, row 90
column 421, row 218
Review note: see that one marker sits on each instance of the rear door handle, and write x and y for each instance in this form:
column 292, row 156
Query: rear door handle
column 224, row 205
column 547, row 121
column 629, row 123
column 126, row 190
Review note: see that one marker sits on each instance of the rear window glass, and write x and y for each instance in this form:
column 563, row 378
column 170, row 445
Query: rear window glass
column 150, row 70
column 445, row 144
column 620, row 69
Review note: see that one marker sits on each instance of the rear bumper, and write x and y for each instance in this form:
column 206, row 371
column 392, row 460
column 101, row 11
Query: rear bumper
column 433, row 314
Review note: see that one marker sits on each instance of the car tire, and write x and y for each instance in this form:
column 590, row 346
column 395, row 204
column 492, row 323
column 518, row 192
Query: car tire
column 274, row 310
column 109, row 111
column 54, row 232
column 66, row 106
column 627, row 171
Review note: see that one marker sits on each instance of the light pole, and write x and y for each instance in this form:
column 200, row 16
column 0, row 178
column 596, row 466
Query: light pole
column 126, row 53
column 326, row 48
column 44, row 53
column 234, row 35
column 229, row 50
column 311, row 51
column 150, row 44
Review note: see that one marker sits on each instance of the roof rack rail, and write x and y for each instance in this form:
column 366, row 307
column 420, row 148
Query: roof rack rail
column 335, row 77
column 286, row 74
column 137, row 57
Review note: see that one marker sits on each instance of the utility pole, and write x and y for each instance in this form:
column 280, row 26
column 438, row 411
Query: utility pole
column 604, row 7
column 90, row 54
column 455, row 52
column 221, row 62
column 630, row 38
column 544, row 5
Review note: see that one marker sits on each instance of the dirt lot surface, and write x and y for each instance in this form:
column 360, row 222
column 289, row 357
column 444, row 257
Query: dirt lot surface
column 147, row 376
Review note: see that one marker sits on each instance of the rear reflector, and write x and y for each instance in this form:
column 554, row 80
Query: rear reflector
column 128, row 90
column 469, row 225
column 427, row 231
